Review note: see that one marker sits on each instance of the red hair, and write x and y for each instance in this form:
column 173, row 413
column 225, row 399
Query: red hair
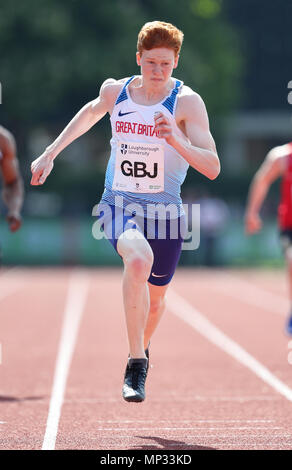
column 159, row 34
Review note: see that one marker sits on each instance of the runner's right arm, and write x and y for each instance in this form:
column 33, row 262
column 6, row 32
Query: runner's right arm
column 89, row 115
column 272, row 167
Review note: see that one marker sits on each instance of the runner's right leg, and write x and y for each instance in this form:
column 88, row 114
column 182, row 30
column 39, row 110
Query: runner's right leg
column 137, row 256
column 157, row 308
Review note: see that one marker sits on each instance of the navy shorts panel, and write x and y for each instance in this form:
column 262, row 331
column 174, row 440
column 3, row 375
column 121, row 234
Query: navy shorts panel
column 166, row 257
column 166, row 251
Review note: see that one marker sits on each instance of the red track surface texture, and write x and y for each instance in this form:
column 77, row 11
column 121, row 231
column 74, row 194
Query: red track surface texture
column 199, row 396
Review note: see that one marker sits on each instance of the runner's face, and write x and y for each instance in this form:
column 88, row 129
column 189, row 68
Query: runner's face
column 157, row 65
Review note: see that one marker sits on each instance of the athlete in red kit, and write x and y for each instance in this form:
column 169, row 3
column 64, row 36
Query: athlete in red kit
column 278, row 163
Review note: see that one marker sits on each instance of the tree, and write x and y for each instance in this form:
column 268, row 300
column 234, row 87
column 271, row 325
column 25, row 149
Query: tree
column 54, row 55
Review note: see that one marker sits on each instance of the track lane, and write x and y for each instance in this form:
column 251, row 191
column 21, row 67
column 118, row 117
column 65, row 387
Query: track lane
column 257, row 329
column 30, row 326
column 195, row 392
column 197, row 396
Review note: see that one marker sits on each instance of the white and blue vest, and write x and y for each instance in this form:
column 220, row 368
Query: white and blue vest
column 132, row 126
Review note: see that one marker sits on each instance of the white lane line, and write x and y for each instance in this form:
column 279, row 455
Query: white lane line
column 186, row 312
column 252, row 295
column 76, row 298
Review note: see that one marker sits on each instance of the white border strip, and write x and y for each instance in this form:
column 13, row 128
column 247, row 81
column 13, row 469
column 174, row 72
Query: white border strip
column 76, row 298
column 186, row 312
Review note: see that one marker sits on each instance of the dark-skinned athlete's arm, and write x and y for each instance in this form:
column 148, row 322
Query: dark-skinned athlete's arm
column 12, row 192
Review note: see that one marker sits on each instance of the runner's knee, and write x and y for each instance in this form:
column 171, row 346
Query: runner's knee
column 139, row 265
column 157, row 304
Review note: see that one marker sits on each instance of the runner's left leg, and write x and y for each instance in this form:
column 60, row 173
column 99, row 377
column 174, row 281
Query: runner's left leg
column 157, row 308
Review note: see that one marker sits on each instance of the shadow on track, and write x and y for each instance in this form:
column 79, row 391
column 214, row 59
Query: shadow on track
column 8, row 398
column 170, row 444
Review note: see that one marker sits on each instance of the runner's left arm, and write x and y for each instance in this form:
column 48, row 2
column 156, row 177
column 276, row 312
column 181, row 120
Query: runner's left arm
column 200, row 149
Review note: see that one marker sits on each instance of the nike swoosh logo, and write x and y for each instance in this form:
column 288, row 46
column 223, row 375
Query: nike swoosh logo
column 159, row 275
column 124, row 114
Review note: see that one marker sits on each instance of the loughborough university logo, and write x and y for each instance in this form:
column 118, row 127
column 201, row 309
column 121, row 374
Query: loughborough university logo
column 124, row 148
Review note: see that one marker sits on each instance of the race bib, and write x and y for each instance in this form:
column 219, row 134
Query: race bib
column 139, row 168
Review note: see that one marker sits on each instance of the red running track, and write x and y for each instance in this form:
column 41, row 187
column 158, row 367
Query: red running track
column 199, row 396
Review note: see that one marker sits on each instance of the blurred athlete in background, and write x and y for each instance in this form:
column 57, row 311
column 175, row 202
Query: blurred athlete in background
column 12, row 185
column 159, row 127
column 278, row 163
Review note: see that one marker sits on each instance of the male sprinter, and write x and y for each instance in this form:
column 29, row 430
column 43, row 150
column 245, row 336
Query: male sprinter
column 278, row 162
column 12, row 192
column 159, row 128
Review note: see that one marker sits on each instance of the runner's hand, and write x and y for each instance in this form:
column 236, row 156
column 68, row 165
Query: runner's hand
column 41, row 168
column 163, row 127
column 14, row 221
column 253, row 223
